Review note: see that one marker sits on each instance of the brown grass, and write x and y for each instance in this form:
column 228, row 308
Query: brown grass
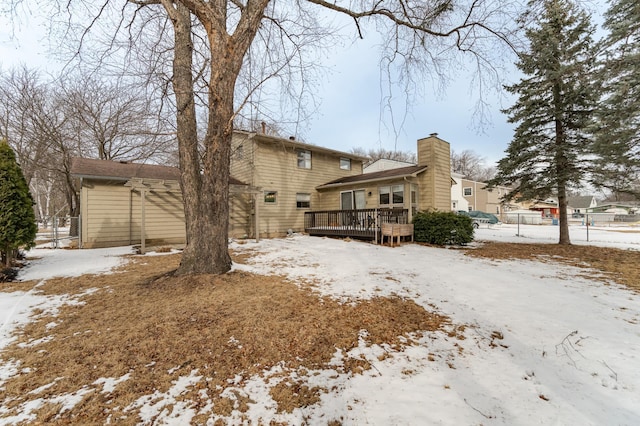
column 145, row 322
column 621, row 266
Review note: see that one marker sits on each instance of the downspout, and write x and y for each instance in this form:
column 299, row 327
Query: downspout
column 409, row 209
column 475, row 195
column 130, row 215
column 256, row 197
column 80, row 216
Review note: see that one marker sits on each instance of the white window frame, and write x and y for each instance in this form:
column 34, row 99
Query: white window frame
column 303, row 197
column 390, row 190
column 464, row 191
column 303, row 158
column 384, row 190
column 345, row 163
column 395, row 189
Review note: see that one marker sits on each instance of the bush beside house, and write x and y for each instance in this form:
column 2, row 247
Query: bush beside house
column 442, row 228
column 17, row 219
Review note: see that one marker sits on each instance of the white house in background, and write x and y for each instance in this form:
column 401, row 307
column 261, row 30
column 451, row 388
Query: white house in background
column 458, row 202
column 581, row 204
column 385, row 164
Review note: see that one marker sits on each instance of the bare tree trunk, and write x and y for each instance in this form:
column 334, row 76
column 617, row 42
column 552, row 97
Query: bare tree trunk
column 204, row 189
column 561, row 166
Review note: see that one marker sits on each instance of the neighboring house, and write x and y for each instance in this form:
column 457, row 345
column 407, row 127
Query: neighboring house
column 478, row 197
column 580, row 205
column 458, row 202
column 385, row 164
column 548, row 208
column 619, row 208
column 118, row 200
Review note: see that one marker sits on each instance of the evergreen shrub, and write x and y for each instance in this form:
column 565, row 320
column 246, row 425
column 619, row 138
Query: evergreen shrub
column 442, row 228
column 17, row 219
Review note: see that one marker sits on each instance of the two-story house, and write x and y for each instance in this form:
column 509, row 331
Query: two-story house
column 285, row 174
column 275, row 182
column 477, row 197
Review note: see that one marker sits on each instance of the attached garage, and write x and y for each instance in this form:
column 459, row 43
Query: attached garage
column 121, row 201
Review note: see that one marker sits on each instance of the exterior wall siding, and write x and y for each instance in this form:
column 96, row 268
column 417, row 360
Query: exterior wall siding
column 272, row 165
column 483, row 199
column 111, row 216
column 435, row 183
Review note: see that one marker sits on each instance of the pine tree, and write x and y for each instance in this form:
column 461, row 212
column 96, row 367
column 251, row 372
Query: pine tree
column 17, row 219
column 617, row 124
column 555, row 105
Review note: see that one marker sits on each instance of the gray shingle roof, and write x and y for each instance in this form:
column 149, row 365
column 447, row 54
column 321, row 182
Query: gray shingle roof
column 103, row 169
column 580, row 202
column 384, row 174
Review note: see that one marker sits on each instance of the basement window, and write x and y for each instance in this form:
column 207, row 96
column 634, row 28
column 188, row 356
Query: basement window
column 270, row 197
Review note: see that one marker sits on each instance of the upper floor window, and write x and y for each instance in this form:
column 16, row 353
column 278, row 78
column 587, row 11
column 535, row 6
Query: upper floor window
column 345, row 163
column 304, row 159
column 468, row 191
column 239, row 152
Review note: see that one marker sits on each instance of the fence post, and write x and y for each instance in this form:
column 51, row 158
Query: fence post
column 375, row 227
column 55, row 232
column 518, row 233
column 587, row 216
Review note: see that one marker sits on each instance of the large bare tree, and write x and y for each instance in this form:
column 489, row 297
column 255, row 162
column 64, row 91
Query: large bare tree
column 226, row 53
column 48, row 121
column 231, row 28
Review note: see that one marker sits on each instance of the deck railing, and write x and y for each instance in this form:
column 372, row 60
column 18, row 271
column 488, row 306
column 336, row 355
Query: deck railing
column 360, row 223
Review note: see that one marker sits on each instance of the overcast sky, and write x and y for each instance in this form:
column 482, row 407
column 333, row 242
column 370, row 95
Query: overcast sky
column 349, row 115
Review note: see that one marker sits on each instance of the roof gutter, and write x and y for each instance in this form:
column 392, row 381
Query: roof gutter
column 380, row 179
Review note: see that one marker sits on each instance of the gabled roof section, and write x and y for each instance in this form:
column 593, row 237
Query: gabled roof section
column 104, row 169
column 90, row 168
column 386, row 164
column 261, row 137
column 398, row 173
column 580, row 202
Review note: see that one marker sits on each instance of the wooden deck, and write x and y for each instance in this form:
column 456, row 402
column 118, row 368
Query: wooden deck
column 361, row 223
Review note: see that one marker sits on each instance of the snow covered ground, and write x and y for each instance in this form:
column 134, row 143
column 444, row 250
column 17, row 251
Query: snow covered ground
column 544, row 343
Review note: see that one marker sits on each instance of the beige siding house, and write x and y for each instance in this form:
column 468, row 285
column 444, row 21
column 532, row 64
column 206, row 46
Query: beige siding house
column 276, row 181
column 120, row 200
column 424, row 186
column 478, row 197
column 285, row 173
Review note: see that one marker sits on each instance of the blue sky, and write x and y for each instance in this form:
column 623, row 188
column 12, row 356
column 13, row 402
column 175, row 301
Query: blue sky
column 349, row 114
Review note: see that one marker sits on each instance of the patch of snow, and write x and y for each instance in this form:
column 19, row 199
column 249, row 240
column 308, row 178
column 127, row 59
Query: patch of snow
column 544, row 343
column 154, row 408
column 109, row 383
column 50, row 263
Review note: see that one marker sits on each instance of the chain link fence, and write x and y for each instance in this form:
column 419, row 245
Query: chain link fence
column 60, row 232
